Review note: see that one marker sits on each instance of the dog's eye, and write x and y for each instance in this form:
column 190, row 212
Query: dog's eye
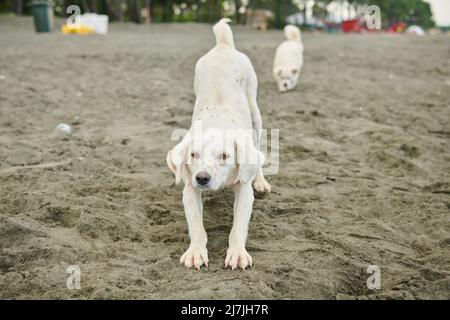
column 195, row 155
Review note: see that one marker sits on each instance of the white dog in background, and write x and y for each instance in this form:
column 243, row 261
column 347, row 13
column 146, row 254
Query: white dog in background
column 221, row 149
column 288, row 59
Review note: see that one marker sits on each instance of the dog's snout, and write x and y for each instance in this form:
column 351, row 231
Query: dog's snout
column 202, row 178
column 285, row 85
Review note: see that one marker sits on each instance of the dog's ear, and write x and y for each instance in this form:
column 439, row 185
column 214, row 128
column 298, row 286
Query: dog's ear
column 249, row 160
column 278, row 72
column 177, row 158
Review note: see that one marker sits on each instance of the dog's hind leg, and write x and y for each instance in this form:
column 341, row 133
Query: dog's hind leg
column 251, row 91
column 260, row 184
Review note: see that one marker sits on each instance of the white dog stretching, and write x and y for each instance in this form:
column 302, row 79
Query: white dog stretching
column 221, row 149
column 288, row 59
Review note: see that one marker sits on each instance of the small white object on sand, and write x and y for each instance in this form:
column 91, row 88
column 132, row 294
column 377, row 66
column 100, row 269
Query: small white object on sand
column 76, row 120
column 415, row 30
column 64, row 127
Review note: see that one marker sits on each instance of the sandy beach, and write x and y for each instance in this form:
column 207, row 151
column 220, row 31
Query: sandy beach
column 364, row 176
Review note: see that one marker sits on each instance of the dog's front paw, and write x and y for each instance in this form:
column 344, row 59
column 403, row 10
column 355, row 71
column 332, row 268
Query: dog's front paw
column 238, row 257
column 195, row 257
column 261, row 185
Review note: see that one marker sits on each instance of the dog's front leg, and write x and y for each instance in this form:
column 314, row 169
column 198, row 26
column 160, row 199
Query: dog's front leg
column 237, row 255
column 196, row 255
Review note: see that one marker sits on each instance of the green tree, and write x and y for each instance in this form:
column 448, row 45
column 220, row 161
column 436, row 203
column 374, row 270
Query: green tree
column 410, row 11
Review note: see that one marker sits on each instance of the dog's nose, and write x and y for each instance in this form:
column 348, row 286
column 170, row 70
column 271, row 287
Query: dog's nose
column 285, row 85
column 202, row 178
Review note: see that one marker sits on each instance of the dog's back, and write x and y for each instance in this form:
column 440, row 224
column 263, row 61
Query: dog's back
column 292, row 33
column 221, row 78
column 223, row 34
column 290, row 51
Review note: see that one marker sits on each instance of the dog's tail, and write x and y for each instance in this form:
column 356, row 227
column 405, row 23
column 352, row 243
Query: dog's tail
column 292, row 33
column 223, row 33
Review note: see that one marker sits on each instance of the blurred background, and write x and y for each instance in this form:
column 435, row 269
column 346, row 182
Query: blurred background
column 261, row 14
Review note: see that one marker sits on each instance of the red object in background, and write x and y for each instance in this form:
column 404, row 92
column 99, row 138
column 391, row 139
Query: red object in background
column 356, row 25
column 397, row 27
column 351, row 26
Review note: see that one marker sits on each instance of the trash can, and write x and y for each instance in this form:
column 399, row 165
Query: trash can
column 42, row 15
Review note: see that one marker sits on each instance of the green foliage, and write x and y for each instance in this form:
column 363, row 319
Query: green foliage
column 410, row 11
column 5, row 7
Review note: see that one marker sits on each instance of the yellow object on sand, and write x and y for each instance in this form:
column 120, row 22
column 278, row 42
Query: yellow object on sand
column 76, row 28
